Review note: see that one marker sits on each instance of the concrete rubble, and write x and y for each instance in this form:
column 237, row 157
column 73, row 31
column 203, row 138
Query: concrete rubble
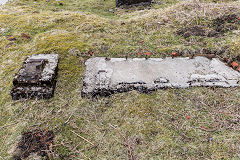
column 105, row 77
column 36, row 78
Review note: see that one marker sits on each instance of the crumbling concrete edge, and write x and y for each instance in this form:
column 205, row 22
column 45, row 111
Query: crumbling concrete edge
column 90, row 89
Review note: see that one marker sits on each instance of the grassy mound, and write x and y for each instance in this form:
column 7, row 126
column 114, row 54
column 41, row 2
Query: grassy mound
column 195, row 123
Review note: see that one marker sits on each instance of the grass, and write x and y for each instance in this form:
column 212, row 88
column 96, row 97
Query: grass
column 127, row 125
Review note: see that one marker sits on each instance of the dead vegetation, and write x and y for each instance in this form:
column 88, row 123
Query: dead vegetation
column 129, row 143
column 149, row 126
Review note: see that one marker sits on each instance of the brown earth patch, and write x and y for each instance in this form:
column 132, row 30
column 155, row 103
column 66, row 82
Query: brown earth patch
column 218, row 27
column 36, row 141
column 191, row 31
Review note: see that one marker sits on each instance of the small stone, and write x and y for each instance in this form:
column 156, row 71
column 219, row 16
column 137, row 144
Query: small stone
column 160, row 23
column 111, row 10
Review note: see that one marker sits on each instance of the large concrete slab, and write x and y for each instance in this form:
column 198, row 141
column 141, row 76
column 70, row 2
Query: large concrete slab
column 36, row 78
column 107, row 76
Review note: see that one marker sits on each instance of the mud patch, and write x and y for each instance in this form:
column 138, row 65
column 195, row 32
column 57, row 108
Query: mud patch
column 36, row 141
column 226, row 23
column 218, row 27
column 131, row 2
column 231, row 18
column 191, row 31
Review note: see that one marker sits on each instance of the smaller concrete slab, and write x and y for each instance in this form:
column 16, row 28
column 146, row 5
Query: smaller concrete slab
column 105, row 77
column 36, row 79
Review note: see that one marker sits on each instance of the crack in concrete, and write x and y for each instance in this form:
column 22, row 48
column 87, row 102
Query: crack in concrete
column 120, row 75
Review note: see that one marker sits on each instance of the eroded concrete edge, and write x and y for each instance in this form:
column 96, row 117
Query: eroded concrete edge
column 91, row 87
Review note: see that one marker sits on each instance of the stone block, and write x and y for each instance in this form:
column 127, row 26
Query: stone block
column 36, row 78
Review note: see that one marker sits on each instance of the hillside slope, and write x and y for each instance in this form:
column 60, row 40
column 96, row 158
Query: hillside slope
column 194, row 123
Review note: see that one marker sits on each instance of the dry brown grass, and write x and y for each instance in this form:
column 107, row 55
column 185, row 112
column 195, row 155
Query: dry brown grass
column 127, row 125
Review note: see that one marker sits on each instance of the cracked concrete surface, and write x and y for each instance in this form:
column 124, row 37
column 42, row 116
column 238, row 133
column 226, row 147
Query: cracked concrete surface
column 105, row 77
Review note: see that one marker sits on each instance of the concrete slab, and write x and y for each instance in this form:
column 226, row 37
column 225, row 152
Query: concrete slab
column 105, row 77
column 36, row 78
column 2, row 2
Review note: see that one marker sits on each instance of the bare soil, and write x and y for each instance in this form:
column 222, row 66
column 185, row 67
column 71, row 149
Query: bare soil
column 218, row 27
column 36, row 141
